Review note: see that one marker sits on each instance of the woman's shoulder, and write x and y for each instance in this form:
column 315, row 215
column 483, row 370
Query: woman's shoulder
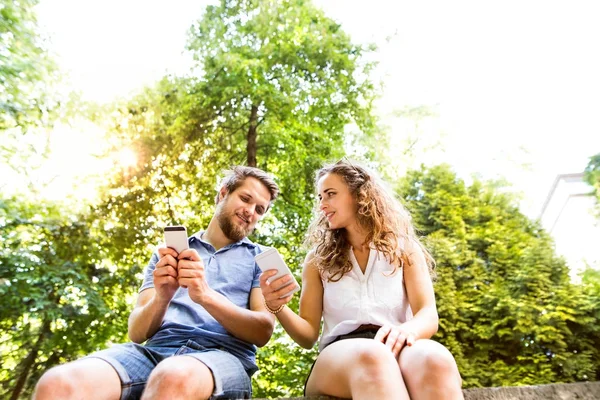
column 310, row 261
column 310, row 269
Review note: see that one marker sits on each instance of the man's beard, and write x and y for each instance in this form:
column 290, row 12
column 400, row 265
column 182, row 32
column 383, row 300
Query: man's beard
column 231, row 230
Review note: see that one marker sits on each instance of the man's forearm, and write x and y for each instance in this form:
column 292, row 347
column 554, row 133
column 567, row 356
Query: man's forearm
column 145, row 320
column 251, row 326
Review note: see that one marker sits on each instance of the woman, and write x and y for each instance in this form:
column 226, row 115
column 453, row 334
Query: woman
column 368, row 277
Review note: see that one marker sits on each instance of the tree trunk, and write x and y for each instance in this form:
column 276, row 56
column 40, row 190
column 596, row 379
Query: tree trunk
column 25, row 365
column 251, row 147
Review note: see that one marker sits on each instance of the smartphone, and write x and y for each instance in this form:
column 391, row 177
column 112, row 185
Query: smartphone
column 271, row 259
column 176, row 238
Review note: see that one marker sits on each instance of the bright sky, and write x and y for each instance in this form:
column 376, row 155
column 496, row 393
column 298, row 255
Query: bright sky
column 515, row 84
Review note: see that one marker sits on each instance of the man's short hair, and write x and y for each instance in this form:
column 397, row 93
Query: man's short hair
column 236, row 176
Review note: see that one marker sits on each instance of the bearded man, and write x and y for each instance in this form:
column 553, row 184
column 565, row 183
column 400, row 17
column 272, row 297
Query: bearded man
column 200, row 313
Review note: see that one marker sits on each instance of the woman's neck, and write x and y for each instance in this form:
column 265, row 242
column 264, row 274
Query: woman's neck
column 356, row 237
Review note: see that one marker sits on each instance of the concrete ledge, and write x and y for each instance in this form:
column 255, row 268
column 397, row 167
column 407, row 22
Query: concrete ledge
column 556, row 391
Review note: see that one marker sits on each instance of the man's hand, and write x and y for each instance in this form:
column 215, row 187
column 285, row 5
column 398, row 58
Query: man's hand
column 191, row 275
column 165, row 274
column 395, row 337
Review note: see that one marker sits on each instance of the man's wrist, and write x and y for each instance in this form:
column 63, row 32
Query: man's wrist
column 208, row 298
column 161, row 301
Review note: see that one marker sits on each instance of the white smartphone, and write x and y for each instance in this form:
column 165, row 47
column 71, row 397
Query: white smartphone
column 176, row 238
column 271, row 259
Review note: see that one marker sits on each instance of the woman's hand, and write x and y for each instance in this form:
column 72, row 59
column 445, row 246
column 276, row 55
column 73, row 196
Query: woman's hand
column 275, row 291
column 395, row 338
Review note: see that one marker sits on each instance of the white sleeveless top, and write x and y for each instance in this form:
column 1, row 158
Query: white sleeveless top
column 376, row 297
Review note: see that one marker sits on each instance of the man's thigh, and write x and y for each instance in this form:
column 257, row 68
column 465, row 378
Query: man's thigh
column 84, row 378
column 231, row 381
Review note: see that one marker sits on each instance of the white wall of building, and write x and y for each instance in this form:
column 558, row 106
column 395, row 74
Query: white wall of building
column 568, row 216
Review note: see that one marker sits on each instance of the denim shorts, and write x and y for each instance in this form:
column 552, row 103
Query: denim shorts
column 134, row 363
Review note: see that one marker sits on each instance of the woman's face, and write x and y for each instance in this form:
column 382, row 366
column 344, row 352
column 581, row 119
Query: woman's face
column 336, row 202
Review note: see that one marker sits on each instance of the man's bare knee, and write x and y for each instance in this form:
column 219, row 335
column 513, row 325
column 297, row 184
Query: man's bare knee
column 179, row 377
column 55, row 383
column 171, row 373
column 85, row 378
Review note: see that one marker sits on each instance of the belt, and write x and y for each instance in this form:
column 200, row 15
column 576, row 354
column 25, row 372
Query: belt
column 366, row 328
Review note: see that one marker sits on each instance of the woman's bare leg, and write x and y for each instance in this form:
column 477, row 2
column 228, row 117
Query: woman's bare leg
column 430, row 372
column 357, row 369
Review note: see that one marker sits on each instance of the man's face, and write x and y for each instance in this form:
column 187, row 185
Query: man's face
column 238, row 212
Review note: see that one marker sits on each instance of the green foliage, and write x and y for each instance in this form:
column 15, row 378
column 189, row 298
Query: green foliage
column 283, row 367
column 283, row 81
column 276, row 84
column 508, row 311
column 591, row 278
column 592, row 176
column 28, row 105
column 59, row 299
column 280, row 71
column 285, row 60
column 24, row 66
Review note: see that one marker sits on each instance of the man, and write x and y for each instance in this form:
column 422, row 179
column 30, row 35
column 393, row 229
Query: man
column 201, row 312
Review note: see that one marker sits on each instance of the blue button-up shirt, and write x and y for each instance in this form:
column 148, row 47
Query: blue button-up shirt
column 230, row 271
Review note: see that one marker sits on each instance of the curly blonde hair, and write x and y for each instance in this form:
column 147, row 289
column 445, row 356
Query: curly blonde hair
column 387, row 223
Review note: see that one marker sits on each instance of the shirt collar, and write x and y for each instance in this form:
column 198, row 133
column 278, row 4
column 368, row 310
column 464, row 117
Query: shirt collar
column 244, row 241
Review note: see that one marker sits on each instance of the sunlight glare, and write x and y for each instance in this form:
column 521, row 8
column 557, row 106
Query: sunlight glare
column 127, row 158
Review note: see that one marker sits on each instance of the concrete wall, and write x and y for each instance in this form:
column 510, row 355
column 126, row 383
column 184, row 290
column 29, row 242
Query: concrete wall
column 567, row 391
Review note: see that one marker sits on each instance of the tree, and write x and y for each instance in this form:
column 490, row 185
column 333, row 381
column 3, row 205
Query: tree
column 592, row 176
column 282, row 65
column 60, row 298
column 25, row 67
column 282, row 81
column 283, row 103
column 48, row 282
column 276, row 89
column 508, row 311
column 29, row 105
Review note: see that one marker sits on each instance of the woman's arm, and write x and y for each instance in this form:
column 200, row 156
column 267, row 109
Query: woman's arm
column 303, row 328
column 419, row 288
column 421, row 297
